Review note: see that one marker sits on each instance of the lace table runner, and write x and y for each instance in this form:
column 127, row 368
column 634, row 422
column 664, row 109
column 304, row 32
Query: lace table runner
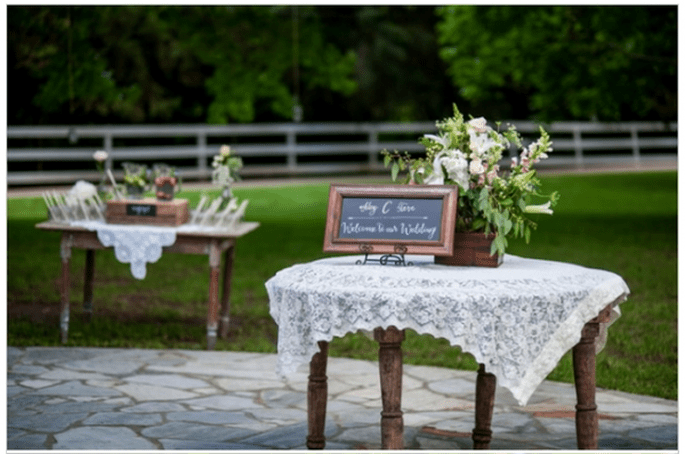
column 134, row 244
column 141, row 244
column 518, row 319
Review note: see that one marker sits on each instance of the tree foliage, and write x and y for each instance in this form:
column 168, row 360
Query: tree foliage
column 155, row 64
column 398, row 70
column 221, row 64
column 564, row 62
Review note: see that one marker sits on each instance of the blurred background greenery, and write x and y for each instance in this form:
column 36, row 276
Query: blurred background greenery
column 232, row 64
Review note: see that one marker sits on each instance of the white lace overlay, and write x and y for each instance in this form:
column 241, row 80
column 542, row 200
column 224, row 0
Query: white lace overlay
column 134, row 244
column 518, row 319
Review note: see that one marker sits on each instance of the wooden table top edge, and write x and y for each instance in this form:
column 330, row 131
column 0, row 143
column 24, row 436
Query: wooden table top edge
column 243, row 229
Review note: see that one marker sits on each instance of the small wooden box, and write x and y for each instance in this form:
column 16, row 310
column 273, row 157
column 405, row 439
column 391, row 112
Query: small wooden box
column 471, row 249
column 147, row 211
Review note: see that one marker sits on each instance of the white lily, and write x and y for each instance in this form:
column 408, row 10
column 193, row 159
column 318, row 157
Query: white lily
column 444, row 141
column 541, row 209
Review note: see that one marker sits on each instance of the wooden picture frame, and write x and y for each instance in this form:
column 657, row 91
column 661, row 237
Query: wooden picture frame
column 391, row 219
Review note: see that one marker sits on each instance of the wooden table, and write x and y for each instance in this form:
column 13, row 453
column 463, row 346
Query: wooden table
column 390, row 369
column 213, row 244
column 518, row 319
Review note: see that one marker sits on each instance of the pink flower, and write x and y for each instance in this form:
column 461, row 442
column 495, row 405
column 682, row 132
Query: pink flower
column 525, row 164
column 492, row 174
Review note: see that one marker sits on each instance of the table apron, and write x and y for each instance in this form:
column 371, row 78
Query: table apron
column 183, row 244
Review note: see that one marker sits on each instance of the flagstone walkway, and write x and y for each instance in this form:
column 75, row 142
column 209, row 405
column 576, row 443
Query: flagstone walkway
column 65, row 398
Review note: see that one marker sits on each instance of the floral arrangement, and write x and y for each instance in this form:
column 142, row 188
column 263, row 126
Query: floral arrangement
column 136, row 175
column 467, row 154
column 163, row 170
column 100, row 157
column 226, row 167
column 224, row 211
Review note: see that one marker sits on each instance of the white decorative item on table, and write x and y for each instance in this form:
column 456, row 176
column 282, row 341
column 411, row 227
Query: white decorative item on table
column 167, row 182
column 136, row 245
column 81, row 202
column 136, row 179
column 226, row 170
column 224, row 211
column 100, row 158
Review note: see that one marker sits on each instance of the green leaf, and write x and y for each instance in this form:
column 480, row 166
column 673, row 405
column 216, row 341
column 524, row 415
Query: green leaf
column 483, row 195
column 478, row 223
column 395, row 170
column 387, row 160
column 522, row 204
column 498, row 245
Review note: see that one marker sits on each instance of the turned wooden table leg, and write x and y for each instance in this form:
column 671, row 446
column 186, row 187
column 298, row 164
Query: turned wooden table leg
column 226, row 291
column 88, row 284
column 587, row 425
column 213, row 306
column 390, row 365
column 65, row 255
column 317, row 394
column 485, row 402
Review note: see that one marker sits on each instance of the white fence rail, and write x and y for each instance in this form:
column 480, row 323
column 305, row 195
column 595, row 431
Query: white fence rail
column 63, row 154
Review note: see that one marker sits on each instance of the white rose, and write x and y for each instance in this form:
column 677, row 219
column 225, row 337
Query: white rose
column 479, row 124
column 456, row 168
column 100, row 156
column 476, row 167
column 225, row 150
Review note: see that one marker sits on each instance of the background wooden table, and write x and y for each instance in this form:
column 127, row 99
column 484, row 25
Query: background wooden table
column 211, row 243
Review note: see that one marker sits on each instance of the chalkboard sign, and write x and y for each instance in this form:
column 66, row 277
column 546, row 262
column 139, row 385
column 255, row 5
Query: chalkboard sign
column 391, row 219
column 135, row 209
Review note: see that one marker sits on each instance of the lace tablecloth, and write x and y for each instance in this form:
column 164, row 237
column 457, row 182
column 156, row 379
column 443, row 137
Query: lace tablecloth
column 518, row 319
column 138, row 244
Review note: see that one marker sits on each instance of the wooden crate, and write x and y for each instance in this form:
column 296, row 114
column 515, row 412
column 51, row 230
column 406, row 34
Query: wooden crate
column 471, row 249
column 147, row 211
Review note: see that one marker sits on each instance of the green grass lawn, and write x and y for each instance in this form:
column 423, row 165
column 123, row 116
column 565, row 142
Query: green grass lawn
column 625, row 223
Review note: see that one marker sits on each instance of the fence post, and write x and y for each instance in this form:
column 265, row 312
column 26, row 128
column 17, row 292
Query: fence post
column 202, row 153
column 108, row 144
column 636, row 144
column 292, row 143
column 578, row 146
